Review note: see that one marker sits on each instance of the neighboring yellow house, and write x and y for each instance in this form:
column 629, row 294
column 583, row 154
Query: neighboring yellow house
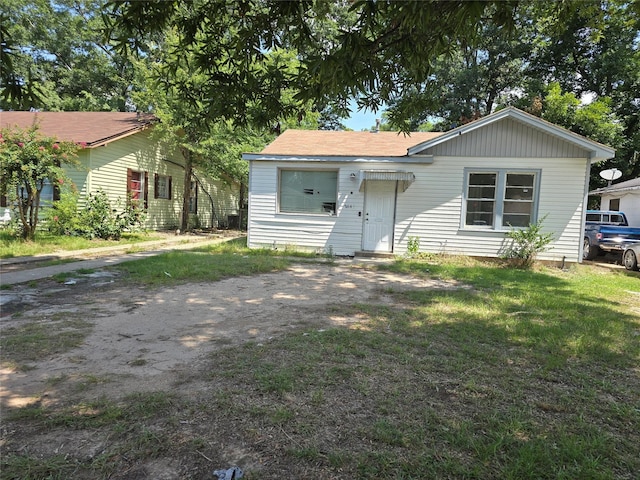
column 119, row 157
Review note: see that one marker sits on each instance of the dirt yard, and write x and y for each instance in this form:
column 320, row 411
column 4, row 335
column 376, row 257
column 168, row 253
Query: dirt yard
column 144, row 340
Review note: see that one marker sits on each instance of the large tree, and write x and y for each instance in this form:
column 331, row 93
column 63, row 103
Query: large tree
column 172, row 86
column 384, row 49
column 594, row 52
column 466, row 83
column 30, row 161
column 55, row 57
column 586, row 51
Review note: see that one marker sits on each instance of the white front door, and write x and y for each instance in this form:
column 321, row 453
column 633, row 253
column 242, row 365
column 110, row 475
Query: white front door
column 379, row 213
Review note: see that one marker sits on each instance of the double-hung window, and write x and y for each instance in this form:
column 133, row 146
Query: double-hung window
column 308, row 191
column 48, row 194
column 500, row 199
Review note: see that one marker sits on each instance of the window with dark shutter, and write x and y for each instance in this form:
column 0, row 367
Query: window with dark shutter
column 162, row 186
column 137, row 187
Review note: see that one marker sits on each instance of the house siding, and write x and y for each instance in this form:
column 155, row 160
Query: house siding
column 80, row 176
column 225, row 198
column 105, row 168
column 340, row 233
column 430, row 208
column 508, row 138
column 433, row 206
column 629, row 205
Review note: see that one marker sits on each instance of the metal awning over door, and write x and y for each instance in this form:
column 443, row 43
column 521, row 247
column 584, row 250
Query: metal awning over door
column 403, row 178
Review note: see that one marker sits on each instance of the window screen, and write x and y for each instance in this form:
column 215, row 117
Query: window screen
column 518, row 200
column 481, row 199
column 308, row 191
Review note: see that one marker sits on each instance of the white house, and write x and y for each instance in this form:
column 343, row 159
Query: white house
column 459, row 192
column 622, row 197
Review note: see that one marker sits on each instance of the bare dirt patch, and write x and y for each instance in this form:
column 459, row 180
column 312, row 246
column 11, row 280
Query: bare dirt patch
column 159, row 340
column 146, row 339
column 320, row 371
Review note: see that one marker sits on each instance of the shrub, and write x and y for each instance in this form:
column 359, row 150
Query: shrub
column 526, row 243
column 63, row 217
column 97, row 220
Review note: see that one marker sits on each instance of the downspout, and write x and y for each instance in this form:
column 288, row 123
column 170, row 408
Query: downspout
column 584, row 210
column 213, row 210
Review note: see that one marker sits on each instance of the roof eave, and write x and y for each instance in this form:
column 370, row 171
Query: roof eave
column 336, row 158
column 607, row 190
column 104, row 141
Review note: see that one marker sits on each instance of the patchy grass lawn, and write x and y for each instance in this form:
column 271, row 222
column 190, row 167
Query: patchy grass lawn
column 11, row 246
column 520, row 375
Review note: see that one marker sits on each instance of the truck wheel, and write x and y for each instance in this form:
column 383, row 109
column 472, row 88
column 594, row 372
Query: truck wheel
column 589, row 252
column 630, row 260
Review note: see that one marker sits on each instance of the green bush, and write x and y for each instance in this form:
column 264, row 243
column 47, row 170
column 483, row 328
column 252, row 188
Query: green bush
column 97, row 220
column 63, row 218
column 526, row 243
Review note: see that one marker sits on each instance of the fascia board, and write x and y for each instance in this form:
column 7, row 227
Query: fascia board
column 607, row 191
column 424, row 159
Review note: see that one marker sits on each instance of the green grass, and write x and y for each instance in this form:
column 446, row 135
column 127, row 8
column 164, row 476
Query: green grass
column 133, row 438
column 45, row 243
column 208, row 263
column 37, row 340
column 528, row 374
column 518, row 375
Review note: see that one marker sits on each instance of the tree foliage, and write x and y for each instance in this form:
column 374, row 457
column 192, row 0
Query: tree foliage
column 594, row 120
column 54, row 57
column 575, row 63
column 465, row 84
column 28, row 161
column 383, row 49
column 263, row 63
column 593, row 50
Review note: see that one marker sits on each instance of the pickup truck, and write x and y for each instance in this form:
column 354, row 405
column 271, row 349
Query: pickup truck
column 607, row 231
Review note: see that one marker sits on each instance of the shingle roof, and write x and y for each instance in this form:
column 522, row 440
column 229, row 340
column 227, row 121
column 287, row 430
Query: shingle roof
column 628, row 185
column 332, row 143
column 90, row 128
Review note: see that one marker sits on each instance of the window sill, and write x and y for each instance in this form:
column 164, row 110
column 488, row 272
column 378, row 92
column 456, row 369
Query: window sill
column 302, row 214
column 483, row 231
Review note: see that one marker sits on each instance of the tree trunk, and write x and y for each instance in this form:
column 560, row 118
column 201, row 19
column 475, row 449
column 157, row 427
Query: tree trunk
column 188, row 168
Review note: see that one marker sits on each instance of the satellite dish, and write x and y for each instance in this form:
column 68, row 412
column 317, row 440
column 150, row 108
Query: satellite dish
column 611, row 174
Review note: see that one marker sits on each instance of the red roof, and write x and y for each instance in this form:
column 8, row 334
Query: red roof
column 91, row 128
column 348, row 144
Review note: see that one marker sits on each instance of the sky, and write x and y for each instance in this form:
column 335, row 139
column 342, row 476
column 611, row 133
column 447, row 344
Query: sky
column 362, row 120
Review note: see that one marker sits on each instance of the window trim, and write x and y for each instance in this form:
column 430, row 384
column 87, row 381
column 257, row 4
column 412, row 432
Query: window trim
column 501, row 186
column 294, row 169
